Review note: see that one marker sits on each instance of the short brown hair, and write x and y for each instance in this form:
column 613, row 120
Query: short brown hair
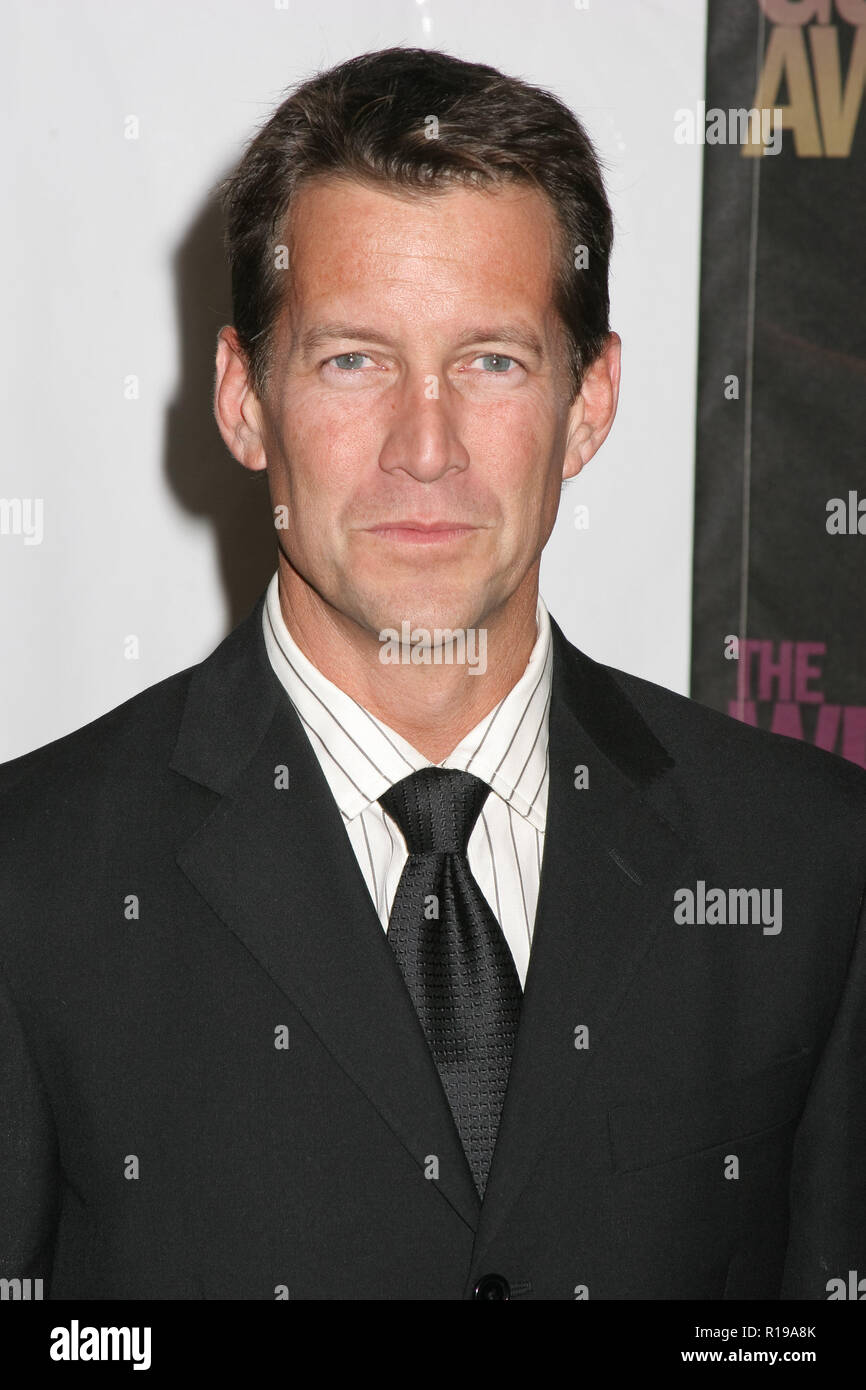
column 368, row 119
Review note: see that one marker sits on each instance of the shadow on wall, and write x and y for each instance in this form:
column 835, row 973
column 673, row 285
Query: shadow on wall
column 202, row 475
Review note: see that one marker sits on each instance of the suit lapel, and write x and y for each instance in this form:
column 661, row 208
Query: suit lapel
column 609, row 861
column 277, row 867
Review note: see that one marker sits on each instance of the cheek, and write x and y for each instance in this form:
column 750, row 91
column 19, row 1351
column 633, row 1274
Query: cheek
column 513, row 443
column 324, row 452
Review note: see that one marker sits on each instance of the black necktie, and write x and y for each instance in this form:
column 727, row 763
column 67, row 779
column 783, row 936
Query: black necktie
column 453, row 955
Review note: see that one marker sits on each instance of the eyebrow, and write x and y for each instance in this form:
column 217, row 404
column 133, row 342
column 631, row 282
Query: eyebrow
column 521, row 335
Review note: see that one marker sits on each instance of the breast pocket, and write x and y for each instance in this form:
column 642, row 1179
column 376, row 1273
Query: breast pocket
column 669, row 1126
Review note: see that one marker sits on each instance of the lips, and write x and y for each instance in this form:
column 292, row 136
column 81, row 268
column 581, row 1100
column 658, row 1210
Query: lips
column 422, row 532
column 412, row 525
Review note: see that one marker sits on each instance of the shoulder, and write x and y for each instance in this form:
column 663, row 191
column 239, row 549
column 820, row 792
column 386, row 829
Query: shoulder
column 130, row 747
column 124, row 746
column 734, row 762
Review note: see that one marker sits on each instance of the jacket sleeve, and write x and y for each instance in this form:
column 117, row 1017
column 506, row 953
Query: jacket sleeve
column 827, row 1225
column 29, row 1169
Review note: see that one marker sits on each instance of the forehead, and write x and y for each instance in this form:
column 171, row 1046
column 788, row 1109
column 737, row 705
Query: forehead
column 454, row 250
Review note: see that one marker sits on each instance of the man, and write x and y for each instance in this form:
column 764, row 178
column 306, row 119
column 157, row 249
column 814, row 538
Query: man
column 399, row 950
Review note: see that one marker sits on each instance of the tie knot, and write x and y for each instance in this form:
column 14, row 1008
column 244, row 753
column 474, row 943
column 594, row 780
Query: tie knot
column 436, row 809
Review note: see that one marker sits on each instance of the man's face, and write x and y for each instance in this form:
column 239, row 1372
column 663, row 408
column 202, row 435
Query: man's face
column 419, row 378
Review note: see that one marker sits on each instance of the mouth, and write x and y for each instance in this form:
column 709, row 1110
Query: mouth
column 422, row 532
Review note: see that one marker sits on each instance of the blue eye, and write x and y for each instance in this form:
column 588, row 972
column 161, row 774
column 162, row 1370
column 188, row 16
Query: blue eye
column 349, row 361
column 500, row 363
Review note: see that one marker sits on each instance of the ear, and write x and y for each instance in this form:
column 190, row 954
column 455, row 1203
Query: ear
column 594, row 407
column 237, row 409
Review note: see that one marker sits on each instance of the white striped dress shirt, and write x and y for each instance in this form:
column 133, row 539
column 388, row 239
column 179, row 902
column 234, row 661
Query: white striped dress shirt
column 361, row 758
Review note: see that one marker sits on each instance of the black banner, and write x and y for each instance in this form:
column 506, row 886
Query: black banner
column 778, row 636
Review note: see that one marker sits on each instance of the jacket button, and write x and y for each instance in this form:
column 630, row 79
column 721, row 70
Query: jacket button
column 492, row 1286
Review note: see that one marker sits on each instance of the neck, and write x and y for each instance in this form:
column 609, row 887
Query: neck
column 433, row 705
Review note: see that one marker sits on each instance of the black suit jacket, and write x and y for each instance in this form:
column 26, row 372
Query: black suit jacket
column 169, row 910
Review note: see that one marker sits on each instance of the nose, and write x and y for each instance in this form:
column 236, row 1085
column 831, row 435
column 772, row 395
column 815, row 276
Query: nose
column 422, row 438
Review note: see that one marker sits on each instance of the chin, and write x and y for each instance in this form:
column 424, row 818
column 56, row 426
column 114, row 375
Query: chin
column 420, row 610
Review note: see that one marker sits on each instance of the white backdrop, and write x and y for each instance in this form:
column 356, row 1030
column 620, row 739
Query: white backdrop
column 114, row 270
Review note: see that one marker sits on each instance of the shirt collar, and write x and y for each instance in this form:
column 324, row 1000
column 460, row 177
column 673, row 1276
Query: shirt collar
column 362, row 757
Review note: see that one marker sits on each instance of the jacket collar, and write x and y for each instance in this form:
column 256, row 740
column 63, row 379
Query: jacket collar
column 234, row 694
